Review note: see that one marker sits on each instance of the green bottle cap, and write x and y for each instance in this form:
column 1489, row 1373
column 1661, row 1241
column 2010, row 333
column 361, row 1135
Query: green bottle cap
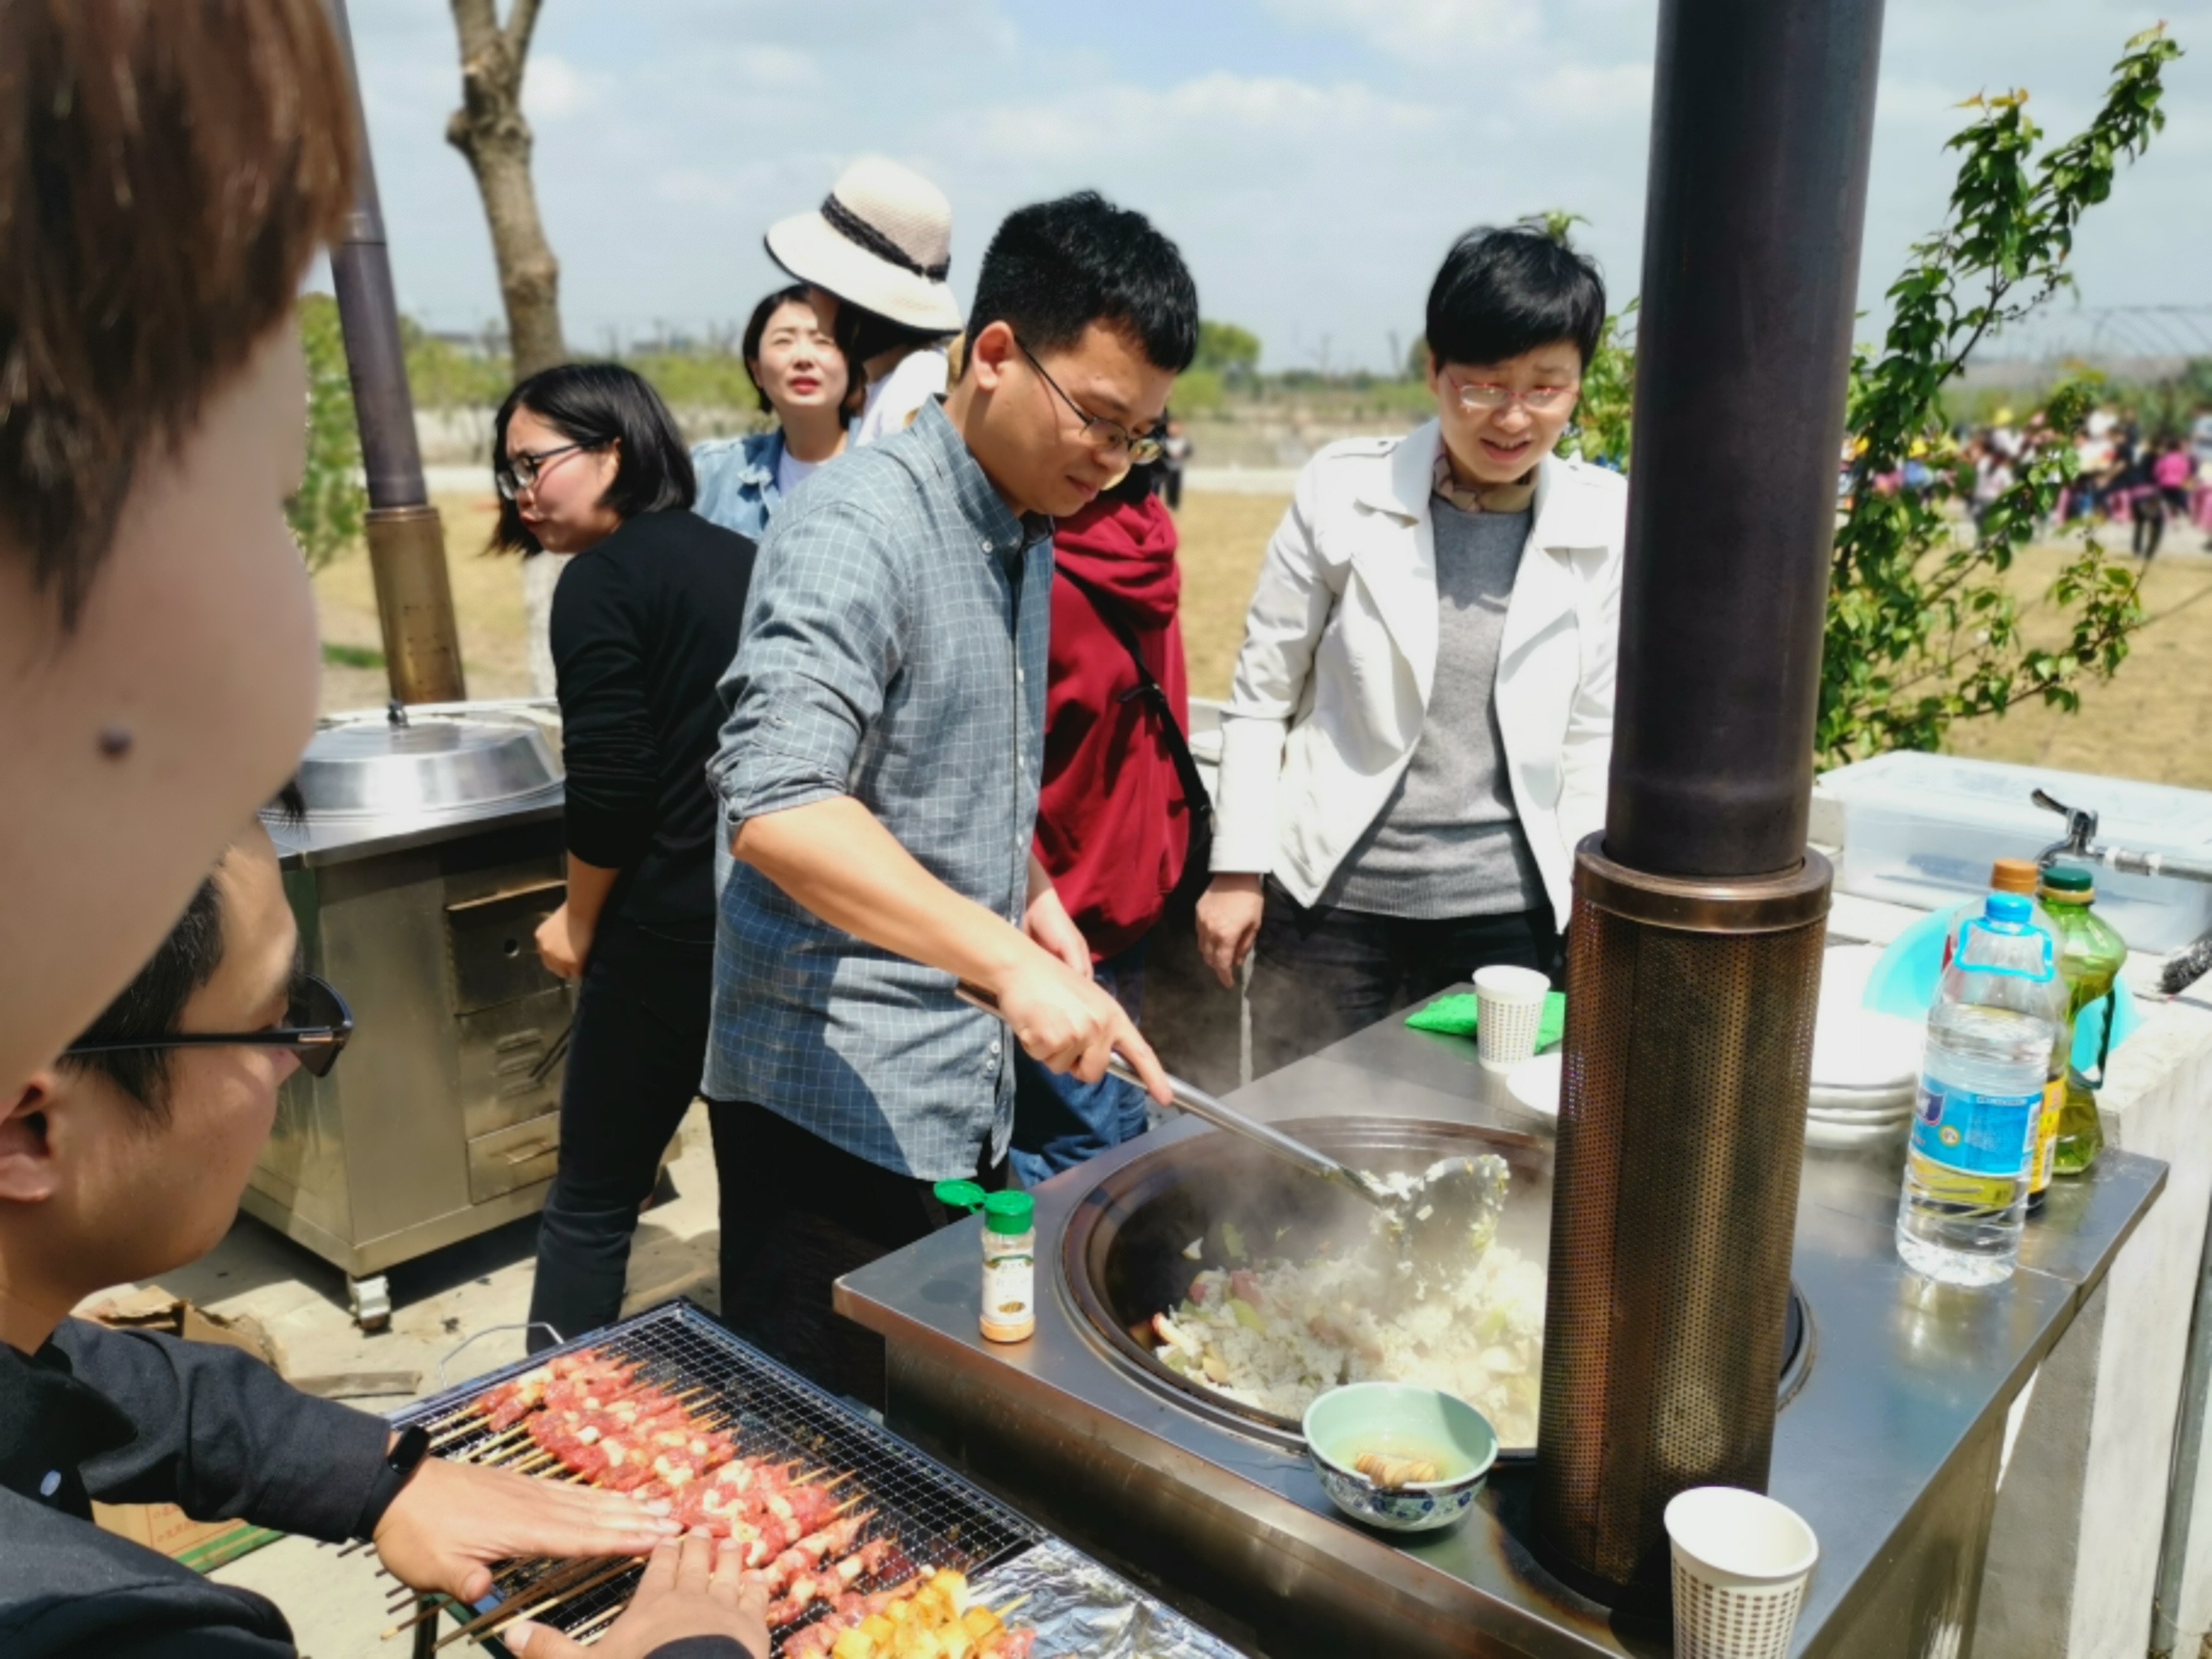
column 2071, row 879
column 960, row 1194
column 1010, row 1212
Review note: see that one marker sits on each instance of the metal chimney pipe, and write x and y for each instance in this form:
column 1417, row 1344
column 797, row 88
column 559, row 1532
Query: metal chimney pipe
column 406, row 540
column 1694, row 952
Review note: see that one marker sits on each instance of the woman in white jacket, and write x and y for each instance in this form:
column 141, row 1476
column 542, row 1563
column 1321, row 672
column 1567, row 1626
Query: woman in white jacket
column 1423, row 712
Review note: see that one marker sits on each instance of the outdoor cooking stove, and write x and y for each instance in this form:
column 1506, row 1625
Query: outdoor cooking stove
column 937, row 1518
column 1889, row 1441
column 431, row 851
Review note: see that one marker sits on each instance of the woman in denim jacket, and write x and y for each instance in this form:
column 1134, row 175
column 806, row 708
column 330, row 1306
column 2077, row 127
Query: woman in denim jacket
column 802, row 380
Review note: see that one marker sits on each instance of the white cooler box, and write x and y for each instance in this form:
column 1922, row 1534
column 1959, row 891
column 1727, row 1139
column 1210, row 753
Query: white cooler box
column 1923, row 829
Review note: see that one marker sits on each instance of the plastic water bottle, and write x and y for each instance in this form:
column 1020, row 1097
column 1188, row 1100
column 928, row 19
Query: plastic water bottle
column 1982, row 1083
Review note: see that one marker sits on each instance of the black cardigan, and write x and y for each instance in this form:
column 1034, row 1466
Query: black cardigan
column 644, row 625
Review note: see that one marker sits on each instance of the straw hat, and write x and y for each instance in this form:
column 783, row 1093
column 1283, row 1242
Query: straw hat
column 881, row 239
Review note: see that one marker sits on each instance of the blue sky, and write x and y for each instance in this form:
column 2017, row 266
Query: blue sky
column 1313, row 157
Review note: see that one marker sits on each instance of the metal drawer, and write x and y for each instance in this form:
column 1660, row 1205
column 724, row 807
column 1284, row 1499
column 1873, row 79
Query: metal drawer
column 517, row 1157
column 493, row 942
column 502, row 1049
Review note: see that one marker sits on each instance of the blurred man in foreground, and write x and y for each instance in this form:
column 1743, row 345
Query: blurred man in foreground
column 126, row 1159
column 166, row 171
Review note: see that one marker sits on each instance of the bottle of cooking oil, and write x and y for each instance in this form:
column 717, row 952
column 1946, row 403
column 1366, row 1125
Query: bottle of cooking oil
column 1981, row 1081
column 2090, row 957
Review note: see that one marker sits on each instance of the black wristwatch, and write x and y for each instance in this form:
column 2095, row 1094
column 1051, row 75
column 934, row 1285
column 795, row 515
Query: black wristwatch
column 392, row 1475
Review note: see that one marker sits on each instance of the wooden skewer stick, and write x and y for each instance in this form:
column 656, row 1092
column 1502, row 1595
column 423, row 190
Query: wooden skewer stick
column 594, row 1627
column 857, row 1498
column 500, row 1618
column 515, row 1603
column 1012, row 1608
column 430, row 1608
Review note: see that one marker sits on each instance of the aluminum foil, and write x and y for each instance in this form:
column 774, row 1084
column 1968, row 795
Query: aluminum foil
column 1081, row 1611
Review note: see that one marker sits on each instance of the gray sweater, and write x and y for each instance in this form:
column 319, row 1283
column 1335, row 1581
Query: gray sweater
column 1448, row 842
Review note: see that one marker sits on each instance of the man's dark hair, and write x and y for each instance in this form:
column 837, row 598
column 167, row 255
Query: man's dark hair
column 596, row 404
column 1055, row 268
column 1502, row 292
column 166, row 171
column 153, row 1004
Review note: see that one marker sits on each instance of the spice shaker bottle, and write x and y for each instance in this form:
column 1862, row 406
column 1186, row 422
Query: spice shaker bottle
column 1009, row 1301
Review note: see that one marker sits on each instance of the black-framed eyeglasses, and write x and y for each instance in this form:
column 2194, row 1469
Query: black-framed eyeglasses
column 317, row 1027
column 522, row 472
column 1111, row 434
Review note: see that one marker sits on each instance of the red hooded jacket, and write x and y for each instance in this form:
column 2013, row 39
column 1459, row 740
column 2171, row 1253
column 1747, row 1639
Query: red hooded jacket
column 1112, row 823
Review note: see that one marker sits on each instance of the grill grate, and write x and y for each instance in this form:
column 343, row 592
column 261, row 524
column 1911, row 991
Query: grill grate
column 938, row 1519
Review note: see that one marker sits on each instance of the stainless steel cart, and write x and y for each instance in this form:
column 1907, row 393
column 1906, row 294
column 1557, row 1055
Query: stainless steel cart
column 432, row 850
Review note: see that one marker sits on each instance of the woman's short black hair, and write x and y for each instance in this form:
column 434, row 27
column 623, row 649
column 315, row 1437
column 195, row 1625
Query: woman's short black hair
column 799, row 293
column 596, row 404
column 1055, row 268
column 862, row 334
column 1502, row 292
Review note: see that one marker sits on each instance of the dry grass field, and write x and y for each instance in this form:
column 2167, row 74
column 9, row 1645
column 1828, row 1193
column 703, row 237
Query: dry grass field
column 2152, row 721
column 487, row 598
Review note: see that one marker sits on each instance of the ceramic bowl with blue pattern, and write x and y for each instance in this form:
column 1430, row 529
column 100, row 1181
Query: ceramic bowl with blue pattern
column 1399, row 1420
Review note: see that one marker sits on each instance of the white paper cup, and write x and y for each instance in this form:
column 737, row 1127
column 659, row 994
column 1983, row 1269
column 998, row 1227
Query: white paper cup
column 1508, row 1006
column 1741, row 1563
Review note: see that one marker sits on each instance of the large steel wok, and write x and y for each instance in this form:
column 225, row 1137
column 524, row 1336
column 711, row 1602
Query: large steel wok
column 1122, row 1257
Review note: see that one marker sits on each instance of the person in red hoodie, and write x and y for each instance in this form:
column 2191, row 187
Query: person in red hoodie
column 1114, row 817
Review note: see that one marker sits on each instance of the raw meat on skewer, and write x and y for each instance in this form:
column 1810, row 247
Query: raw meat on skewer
column 806, row 1588
column 590, row 1370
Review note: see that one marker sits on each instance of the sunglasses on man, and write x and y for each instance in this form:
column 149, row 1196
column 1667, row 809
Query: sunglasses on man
column 317, row 1027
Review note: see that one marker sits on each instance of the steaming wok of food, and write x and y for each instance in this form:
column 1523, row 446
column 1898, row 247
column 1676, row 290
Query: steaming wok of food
column 1245, row 1287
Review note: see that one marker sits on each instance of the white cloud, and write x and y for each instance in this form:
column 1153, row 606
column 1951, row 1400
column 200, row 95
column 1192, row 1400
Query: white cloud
column 1417, row 29
column 553, row 88
column 1313, row 157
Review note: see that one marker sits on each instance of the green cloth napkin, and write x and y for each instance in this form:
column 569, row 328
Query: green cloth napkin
column 1454, row 1016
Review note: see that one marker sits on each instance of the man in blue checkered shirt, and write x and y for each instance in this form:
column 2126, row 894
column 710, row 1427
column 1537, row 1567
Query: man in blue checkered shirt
column 879, row 782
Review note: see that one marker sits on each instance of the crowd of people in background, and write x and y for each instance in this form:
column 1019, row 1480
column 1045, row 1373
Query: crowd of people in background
column 2127, row 474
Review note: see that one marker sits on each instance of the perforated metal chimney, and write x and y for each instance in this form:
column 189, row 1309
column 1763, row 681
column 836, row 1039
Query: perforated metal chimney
column 1694, row 952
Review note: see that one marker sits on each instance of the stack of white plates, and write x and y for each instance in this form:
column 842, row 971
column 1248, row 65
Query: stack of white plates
column 1866, row 1065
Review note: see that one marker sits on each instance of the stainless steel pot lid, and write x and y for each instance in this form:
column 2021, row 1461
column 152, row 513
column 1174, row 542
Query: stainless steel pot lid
column 427, row 765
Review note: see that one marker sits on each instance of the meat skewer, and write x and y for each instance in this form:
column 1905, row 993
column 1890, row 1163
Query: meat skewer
column 516, row 1398
column 808, row 1588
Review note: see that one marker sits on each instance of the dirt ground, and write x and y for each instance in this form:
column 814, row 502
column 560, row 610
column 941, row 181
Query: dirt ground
column 2151, row 722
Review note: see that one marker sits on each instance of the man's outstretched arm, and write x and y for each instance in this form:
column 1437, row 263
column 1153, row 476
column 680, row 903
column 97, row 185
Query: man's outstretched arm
column 833, row 857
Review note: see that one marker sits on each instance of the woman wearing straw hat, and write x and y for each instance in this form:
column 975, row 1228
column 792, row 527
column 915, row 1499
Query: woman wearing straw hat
column 876, row 253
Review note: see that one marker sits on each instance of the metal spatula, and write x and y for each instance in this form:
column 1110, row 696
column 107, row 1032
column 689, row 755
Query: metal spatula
column 1199, row 1103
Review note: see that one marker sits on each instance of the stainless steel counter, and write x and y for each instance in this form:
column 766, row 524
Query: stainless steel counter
column 1891, row 1450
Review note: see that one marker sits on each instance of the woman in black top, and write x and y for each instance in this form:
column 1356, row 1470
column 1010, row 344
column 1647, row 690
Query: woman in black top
column 588, row 461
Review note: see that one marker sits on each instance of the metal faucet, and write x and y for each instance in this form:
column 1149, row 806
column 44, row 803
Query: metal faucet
column 2080, row 830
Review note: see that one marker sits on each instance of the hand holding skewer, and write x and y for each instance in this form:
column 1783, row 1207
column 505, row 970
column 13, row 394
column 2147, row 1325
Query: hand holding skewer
column 690, row 1588
column 453, row 1521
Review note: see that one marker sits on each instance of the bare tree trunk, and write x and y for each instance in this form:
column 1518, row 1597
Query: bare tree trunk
column 489, row 129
